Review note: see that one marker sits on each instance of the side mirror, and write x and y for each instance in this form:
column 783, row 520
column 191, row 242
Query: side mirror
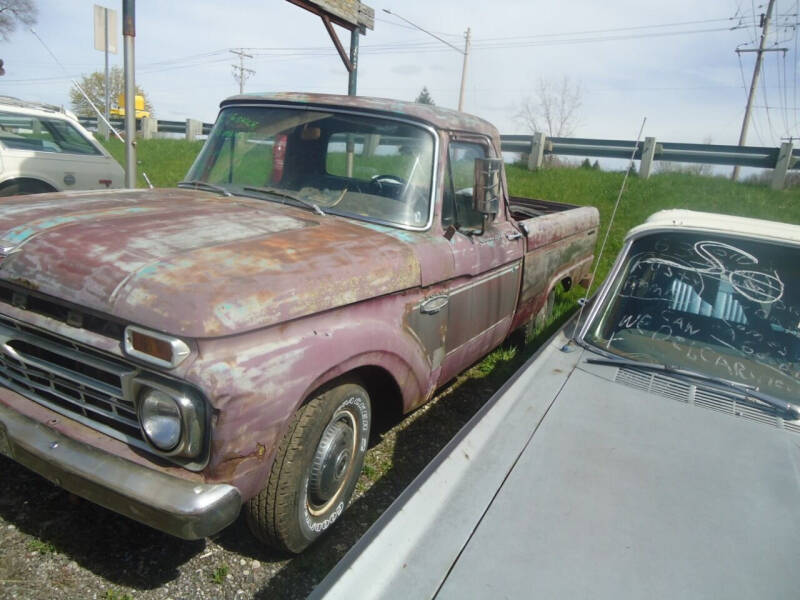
column 486, row 196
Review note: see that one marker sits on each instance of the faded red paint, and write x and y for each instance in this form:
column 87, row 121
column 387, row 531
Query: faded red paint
column 276, row 301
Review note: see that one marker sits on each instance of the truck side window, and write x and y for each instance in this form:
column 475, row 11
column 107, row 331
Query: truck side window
column 458, row 185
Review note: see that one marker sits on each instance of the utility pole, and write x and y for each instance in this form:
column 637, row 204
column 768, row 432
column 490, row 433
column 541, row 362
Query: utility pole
column 107, row 94
column 464, row 70
column 243, row 73
column 128, row 33
column 352, row 90
column 465, row 51
column 352, row 81
column 754, row 83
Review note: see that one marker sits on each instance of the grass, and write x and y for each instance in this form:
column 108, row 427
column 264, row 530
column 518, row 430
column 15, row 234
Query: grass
column 643, row 197
column 219, row 575
column 41, row 547
column 166, row 162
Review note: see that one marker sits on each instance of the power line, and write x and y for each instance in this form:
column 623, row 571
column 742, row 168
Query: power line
column 548, row 39
column 614, row 29
column 388, row 22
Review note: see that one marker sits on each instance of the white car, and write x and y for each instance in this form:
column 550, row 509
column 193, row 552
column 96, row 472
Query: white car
column 44, row 149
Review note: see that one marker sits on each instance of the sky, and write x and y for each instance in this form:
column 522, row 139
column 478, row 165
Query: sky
column 673, row 63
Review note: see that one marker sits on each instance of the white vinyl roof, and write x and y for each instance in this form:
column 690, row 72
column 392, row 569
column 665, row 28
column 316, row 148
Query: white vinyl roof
column 678, row 219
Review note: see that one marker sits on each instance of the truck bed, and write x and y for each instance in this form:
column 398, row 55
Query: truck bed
column 559, row 245
column 528, row 208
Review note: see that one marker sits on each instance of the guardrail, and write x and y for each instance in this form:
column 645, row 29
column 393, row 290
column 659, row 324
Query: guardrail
column 148, row 127
column 537, row 146
column 781, row 160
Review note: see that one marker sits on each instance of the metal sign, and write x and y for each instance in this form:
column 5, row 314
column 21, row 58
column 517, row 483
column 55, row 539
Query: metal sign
column 350, row 14
column 100, row 29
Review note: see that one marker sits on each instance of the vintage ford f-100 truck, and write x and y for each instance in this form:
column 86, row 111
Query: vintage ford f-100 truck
column 176, row 354
column 653, row 453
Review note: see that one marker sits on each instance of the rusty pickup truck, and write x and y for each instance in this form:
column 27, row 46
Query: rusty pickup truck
column 177, row 355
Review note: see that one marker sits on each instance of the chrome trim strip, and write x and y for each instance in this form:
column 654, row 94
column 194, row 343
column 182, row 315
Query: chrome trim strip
column 481, row 280
column 601, row 295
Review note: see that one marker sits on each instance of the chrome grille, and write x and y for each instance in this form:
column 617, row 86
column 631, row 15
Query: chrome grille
column 70, row 379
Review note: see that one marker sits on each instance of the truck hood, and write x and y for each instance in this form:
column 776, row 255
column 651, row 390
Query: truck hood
column 193, row 263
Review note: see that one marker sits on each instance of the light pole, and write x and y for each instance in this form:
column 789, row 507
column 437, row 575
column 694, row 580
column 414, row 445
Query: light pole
column 128, row 35
column 465, row 52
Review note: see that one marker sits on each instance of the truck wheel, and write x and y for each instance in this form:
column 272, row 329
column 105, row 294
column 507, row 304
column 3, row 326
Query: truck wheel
column 315, row 471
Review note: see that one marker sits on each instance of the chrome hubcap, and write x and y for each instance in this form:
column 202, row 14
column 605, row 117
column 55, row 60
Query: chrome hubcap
column 332, row 461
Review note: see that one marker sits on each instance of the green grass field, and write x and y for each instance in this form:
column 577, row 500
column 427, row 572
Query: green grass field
column 643, row 197
column 166, row 162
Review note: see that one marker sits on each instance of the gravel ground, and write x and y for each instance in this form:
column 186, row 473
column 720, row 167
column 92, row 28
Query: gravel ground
column 53, row 544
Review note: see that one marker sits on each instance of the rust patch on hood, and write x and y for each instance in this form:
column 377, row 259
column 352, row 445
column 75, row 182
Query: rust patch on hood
column 198, row 264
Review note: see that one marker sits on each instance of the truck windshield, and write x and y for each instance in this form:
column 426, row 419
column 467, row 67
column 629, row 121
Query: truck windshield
column 354, row 165
column 723, row 306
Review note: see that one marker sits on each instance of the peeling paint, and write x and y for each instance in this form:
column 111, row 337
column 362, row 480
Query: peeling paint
column 277, row 301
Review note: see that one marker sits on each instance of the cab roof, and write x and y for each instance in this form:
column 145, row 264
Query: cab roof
column 440, row 118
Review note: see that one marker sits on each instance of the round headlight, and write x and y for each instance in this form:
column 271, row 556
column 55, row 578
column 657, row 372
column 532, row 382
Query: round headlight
column 161, row 419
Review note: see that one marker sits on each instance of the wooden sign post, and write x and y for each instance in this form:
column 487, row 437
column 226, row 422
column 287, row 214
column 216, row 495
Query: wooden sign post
column 350, row 14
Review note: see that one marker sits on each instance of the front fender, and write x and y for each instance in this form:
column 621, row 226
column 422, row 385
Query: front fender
column 256, row 381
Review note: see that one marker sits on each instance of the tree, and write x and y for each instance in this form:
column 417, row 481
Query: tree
column 94, row 86
column 554, row 108
column 14, row 12
column 425, row 97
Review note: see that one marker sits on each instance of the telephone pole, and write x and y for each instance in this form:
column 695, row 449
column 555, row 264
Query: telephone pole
column 754, row 83
column 467, row 38
column 240, row 73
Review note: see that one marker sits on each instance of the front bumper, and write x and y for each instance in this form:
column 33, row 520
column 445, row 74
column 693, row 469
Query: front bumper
column 182, row 508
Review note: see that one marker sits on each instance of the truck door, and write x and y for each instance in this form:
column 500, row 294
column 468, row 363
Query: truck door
column 488, row 264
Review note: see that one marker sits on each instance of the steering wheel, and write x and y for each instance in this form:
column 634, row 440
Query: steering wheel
column 393, row 179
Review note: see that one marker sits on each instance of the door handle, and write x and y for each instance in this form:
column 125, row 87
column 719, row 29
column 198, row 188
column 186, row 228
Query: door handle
column 513, row 235
column 431, row 306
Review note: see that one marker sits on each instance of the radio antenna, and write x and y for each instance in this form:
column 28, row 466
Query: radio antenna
column 585, row 298
column 78, row 87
